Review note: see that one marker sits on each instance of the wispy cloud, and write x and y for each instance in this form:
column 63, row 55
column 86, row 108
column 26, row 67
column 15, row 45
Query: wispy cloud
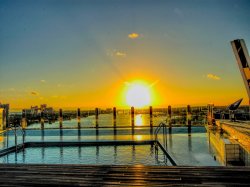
column 133, row 35
column 126, row 83
column 213, row 77
column 12, row 89
column 116, row 53
column 120, row 54
column 178, row 12
column 59, row 97
column 42, row 81
column 34, row 93
column 154, row 83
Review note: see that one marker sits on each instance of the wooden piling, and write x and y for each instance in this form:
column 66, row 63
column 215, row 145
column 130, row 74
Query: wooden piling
column 60, row 117
column 42, row 135
column 61, row 134
column 78, row 115
column 151, row 112
column 189, row 117
column 133, row 116
column 114, row 119
column 42, row 120
column 96, row 117
column 151, row 119
column 79, row 133
column 114, row 113
column 132, row 112
column 169, row 117
column 96, row 113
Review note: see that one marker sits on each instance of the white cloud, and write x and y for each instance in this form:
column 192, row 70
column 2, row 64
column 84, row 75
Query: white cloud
column 133, row 35
column 213, row 77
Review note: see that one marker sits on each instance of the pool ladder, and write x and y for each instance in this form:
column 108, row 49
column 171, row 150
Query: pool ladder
column 163, row 146
column 164, row 134
column 14, row 128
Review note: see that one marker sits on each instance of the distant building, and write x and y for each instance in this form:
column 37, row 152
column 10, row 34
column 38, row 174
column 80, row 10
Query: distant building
column 35, row 111
column 6, row 108
column 43, row 107
column 2, row 119
column 48, row 112
column 109, row 110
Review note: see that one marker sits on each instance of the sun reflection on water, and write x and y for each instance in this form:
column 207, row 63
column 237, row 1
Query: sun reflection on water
column 139, row 120
column 138, row 137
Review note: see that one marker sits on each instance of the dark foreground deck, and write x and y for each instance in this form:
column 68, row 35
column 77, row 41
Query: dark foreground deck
column 137, row 175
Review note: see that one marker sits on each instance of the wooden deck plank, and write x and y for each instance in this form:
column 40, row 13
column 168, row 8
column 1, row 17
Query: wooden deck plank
column 89, row 175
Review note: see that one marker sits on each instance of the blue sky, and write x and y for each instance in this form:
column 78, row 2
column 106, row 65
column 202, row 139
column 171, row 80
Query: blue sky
column 68, row 50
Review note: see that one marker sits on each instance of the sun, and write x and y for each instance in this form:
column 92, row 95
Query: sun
column 138, row 95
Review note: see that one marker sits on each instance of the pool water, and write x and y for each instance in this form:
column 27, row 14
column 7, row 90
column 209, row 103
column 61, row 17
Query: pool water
column 97, row 155
column 186, row 149
column 191, row 150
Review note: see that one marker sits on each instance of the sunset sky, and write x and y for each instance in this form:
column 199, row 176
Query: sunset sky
column 87, row 53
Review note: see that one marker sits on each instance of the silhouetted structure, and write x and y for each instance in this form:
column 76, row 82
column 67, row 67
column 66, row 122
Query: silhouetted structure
column 232, row 108
column 243, row 61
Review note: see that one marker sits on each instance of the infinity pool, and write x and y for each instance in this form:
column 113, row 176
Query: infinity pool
column 186, row 149
column 97, row 155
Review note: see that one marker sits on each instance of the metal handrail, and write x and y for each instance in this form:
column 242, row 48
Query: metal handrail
column 14, row 128
column 161, row 125
column 164, row 147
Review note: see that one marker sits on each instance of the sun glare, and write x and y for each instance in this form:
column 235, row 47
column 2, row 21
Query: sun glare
column 138, row 95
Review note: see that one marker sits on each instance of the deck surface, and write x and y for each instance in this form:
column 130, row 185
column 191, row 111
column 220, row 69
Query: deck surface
column 238, row 130
column 137, row 175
